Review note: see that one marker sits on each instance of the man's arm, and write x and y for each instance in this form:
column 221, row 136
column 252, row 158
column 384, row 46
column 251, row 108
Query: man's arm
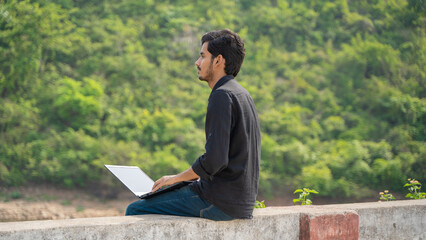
column 218, row 131
column 186, row 175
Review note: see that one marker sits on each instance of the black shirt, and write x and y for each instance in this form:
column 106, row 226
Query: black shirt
column 229, row 169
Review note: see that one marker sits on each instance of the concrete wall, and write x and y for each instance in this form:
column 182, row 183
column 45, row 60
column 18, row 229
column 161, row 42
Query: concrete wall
column 385, row 220
column 390, row 220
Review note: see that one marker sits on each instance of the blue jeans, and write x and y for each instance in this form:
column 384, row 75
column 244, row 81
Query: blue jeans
column 181, row 202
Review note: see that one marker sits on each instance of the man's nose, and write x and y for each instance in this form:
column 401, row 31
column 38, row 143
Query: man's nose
column 197, row 62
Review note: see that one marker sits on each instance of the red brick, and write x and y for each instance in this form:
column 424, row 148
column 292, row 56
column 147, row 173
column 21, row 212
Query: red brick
column 329, row 226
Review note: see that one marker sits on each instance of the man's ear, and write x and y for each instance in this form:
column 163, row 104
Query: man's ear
column 220, row 59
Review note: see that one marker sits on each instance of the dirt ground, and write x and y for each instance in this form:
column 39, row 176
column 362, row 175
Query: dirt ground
column 47, row 202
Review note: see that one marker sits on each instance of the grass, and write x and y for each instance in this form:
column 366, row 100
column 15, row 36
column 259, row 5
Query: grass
column 30, row 199
column 4, row 197
column 7, row 197
column 66, row 203
column 46, row 197
column 79, row 208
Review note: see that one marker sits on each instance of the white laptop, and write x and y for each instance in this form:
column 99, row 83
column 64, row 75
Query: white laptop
column 138, row 182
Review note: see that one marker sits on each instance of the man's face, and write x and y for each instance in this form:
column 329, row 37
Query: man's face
column 205, row 64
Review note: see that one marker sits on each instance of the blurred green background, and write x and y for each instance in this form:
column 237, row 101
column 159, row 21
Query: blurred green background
column 339, row 85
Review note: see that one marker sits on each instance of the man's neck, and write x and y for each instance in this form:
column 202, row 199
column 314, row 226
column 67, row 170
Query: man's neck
column 215, row 80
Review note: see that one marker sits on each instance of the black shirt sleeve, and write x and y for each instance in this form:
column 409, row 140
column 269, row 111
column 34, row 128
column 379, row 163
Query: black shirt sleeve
column 218, row 130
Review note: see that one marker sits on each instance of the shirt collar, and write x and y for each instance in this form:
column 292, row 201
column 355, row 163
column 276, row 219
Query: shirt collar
column 222, row 81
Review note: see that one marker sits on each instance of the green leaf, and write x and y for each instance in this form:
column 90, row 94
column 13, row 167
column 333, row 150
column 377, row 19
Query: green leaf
column 259, row 204
column 298, row 190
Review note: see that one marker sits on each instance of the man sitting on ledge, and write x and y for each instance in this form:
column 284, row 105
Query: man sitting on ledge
column 228, row 171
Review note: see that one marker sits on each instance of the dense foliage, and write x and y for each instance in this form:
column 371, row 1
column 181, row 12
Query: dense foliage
column 340, row 88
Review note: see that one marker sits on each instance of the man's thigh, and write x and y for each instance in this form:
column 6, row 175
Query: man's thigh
column 181, row 202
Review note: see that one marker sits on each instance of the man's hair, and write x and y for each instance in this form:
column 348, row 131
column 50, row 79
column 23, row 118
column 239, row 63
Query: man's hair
column 229, row 45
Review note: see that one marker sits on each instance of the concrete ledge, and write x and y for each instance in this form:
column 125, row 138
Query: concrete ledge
column 386, row 220
column 279, row 224
column 404, row 219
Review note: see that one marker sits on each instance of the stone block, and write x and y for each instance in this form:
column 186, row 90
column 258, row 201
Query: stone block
column 329, row 226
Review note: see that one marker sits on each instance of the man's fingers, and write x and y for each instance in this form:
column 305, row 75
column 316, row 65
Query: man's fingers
column 155, row 188
column 156, row 185
column 163, row 181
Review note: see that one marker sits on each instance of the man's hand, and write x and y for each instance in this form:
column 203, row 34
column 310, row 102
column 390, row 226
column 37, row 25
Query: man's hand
column 186, row 175
column 164, row 181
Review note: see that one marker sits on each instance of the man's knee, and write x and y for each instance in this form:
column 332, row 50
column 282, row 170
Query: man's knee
column 135, row 208
column 130, row 210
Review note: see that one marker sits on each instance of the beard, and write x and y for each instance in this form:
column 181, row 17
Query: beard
column 209, row 74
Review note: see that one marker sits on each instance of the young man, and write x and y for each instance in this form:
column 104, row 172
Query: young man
column 228, row 172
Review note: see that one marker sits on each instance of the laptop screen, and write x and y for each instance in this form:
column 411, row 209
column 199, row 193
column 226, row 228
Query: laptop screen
column 133, row 177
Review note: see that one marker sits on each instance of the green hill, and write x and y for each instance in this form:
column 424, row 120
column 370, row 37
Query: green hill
column 340, row 88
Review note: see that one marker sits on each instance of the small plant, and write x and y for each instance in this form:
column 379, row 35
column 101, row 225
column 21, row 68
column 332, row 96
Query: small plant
column 414, row 187
column 386, row 196
column 304, row 196
column 16, row 195
column 258, row 204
